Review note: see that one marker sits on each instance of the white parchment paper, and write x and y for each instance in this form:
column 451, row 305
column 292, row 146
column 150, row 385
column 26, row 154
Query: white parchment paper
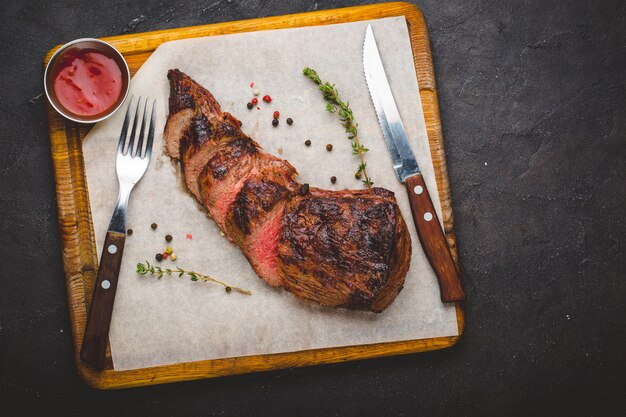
column 157, row 322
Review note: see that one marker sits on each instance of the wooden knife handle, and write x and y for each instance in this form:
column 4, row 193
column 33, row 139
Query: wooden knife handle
column 433, row 240
column 99, row 318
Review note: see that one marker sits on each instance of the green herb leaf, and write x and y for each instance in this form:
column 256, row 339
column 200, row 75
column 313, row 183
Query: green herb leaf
column 344, row 112
column 143, row 269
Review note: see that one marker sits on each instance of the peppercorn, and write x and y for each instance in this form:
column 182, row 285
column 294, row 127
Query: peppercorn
column 129, row 232
column 168, row 250
column 153, row 226
column 164, row 255
column 158, row 257
column 304, row 189
column 307, row 142
column 254, row 100
column 275, row 122
column 357, row 175
column 267, row 98
column 329, row 147
column 289, row 121
column 276, row 115
column 168, row 238
column 227, row 289
column 250, row 106
column 333, row 179
column 256, row 92
column 173, row 256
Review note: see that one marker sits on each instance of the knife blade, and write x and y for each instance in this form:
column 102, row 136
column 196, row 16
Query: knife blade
column 407, row 170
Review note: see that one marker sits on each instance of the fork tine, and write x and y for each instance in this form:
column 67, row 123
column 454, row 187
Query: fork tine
column 131, row 142
column 122, row 141
column 151, row 131
column 138, row 152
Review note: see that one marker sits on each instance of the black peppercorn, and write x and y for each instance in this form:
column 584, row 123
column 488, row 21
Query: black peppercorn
column 228, row 289
column 329, row 147
column 333, row 179
column 250, row 106
column 275, row 122
column 153, row 226
column 289, row 121
column 307, row 142
column 129, row 232
column 168, row 238
column 158, row 257
column 304, row 189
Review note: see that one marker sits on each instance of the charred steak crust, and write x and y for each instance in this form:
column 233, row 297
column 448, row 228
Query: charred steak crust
column 336, row 250
column 348, row 248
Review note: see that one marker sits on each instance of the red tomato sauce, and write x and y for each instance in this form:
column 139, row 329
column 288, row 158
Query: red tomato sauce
column 88, row 82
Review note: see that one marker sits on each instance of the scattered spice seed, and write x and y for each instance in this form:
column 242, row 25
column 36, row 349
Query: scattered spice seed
column 289, row 121
column 173, row 256
column 168, row 238
column 222, row 234
column 267, row 98
column 168, row 250
column 357, row 175
column 158, row 257
column 280, row 151
column 129, row 232
column 250, row 106
column 189, row 236
column 164, row 255
column 258, row 108
column 276, row 115
column 256, row 92
column 307, row 142
column 333, row 179
column 254, row 100
column 275, row 122
column 252, row 84
column 153, row 226
column 329, row 147
column 228, row 289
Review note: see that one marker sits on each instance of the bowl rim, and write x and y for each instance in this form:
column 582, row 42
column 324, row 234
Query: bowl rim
column 62, row 111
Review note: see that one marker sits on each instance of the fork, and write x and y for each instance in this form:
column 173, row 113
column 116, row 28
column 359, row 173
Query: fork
column 131, row 163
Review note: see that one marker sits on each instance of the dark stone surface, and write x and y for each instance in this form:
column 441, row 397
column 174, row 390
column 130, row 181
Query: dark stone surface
column 532, row 97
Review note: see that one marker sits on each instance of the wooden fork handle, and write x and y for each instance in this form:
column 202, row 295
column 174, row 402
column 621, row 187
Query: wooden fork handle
column 433, row 240
column 99, row 319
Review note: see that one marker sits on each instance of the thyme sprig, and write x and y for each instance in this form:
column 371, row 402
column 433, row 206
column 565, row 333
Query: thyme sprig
column 336, row 105
column 144, row 269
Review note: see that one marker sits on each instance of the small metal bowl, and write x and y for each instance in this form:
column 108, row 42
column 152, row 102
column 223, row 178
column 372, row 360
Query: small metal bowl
column 86, row 43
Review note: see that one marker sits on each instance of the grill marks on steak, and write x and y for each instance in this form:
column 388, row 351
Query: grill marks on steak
column 335, row 248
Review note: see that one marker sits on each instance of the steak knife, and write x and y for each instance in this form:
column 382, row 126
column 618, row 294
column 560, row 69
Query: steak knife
column 408, row 172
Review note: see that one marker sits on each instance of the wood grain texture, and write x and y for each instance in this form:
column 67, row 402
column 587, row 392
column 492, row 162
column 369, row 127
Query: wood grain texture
column 433, row 240
column 79, row 250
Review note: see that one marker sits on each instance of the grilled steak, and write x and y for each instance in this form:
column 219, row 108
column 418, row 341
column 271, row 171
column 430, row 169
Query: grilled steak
column 348, row 248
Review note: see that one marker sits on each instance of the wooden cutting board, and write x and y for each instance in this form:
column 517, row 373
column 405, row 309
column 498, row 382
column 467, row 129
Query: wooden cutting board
column 80, row 257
